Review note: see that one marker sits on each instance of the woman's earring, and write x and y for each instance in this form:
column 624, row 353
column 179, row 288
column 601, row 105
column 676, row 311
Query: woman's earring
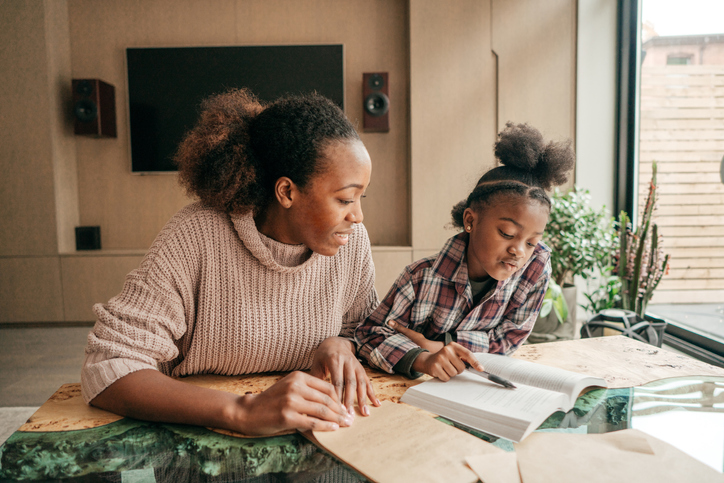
column 468, row 228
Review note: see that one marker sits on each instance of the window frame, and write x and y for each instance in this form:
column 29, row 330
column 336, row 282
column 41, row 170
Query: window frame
column 628, row 76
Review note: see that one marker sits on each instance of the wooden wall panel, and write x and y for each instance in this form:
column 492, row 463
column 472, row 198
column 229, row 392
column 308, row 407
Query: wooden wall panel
column 375, row 36
column 443, row 120
column 536, row 46
column 452, row 105
column 30, row 289
column 132, row 209
column 62, row 139
column 460, row 98
column 389, row 264
column 89, row 279
column 27, row 202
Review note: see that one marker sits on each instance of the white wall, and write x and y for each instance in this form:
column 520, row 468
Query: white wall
column 596, row 107
column 596, row 100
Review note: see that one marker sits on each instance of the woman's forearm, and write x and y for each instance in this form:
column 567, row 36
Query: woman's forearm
column 297, row 401
column 150, row 395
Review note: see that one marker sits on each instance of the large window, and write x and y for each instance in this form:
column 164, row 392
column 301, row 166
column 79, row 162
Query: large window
column 681, row 128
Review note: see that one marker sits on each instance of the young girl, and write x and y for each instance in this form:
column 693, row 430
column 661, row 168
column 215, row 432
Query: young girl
column 483, row 291
column 270, row 271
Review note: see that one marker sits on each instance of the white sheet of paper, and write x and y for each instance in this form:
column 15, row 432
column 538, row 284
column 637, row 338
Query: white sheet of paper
column 627, row 455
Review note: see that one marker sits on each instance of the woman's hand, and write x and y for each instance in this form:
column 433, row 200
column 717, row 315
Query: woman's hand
column 335, row 357
column 416, row 337
column 298, row 401
column 447, row 362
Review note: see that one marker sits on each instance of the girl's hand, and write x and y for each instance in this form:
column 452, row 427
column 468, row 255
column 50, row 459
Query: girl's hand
column 447, row 362
column 335, row 358
column 298, row 401
column 416, row 337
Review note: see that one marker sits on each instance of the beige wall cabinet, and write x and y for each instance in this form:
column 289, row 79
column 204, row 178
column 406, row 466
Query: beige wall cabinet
column 458, row 71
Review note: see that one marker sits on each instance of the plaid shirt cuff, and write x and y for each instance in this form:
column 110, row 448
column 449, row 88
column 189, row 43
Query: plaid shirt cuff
column 404, row 365
column 449, row 337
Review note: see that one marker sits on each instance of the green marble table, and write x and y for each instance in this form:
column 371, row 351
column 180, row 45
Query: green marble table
column 136, row 451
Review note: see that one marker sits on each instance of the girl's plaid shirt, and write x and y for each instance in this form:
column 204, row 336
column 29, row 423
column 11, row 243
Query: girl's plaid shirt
column 433, row 296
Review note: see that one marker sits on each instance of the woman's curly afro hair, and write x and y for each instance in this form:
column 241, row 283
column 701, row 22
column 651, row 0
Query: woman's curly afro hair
column 528, row 168
column 239, row 147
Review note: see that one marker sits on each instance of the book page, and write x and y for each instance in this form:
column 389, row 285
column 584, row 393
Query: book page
column 620, row 360
column 478, row 403
column 537, row 375
column 478, row 392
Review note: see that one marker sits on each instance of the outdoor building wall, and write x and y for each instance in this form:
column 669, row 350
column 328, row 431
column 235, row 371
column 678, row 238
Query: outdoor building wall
column 710, row 53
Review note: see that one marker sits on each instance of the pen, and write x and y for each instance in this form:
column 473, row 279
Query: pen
column 493, row 378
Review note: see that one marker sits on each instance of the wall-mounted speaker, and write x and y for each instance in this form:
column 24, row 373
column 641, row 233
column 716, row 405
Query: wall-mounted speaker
column 87, row 237
column 375, row 93
column 94, row 108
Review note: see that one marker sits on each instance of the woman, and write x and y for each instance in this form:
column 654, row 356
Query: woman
column 270, row 271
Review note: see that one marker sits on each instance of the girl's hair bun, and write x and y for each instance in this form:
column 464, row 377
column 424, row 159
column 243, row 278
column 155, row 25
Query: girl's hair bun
column 522, row 147
column 555, row 164
column 529, row 168
column 519, row 146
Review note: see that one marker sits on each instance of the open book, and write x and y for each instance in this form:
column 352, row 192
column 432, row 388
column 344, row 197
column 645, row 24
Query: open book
column 513, row 414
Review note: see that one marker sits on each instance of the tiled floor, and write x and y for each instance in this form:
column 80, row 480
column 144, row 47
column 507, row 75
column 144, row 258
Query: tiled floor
column 34, row 362
column 11, row 419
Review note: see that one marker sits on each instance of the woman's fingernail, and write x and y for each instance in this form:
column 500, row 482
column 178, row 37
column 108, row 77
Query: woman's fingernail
column 348, row 420
column 378, row 402
column 392, row 324
column 365, row 410
column 335, row 426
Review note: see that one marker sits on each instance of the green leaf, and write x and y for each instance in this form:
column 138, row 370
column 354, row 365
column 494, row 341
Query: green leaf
column 546, row 308
column 561, row 308
column 554, row 300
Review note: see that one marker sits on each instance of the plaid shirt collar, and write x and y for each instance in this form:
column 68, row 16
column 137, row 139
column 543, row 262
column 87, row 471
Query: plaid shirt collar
column 450, row 263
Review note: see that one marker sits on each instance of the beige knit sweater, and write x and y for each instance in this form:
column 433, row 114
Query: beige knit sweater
column 213, row 295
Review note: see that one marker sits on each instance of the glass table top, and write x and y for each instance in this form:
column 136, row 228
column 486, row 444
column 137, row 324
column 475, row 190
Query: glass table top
column 685, row 412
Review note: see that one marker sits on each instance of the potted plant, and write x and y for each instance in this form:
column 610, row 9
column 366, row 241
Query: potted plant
column 639, row 266
column 641, row 262
column 578, row 237
column 554, row 301
column 602, row 289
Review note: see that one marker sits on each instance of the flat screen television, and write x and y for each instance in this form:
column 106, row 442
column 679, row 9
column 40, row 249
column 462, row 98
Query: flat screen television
column 166, row 86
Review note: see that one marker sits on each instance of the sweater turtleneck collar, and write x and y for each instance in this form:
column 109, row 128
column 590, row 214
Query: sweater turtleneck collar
column 274, row 255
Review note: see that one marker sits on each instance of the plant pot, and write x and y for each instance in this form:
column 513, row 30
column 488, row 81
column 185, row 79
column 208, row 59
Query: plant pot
column 548, row 329
column 627, row 323
column 659, row 326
